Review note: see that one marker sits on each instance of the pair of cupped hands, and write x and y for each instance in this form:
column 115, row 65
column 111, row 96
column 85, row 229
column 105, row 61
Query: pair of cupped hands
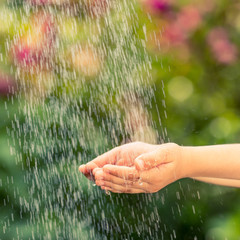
column 136, row 168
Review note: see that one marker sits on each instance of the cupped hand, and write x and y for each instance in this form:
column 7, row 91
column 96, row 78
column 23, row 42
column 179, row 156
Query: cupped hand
column 120, row 156
column 148, row 173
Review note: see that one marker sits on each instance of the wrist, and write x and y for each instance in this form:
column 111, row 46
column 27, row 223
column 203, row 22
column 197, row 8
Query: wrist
column 187, row 166
column 177, row 155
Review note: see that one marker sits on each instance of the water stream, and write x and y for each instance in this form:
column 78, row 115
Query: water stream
column 84, row 86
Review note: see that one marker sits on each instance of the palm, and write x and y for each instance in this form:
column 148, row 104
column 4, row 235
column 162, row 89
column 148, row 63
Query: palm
column 129, row 152
column 122, row 156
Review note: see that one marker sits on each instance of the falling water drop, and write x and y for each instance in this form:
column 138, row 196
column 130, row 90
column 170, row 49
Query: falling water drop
column 108, row 192
column 140, row 181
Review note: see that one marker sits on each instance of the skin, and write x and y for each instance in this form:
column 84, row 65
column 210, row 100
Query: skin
column 144, row 168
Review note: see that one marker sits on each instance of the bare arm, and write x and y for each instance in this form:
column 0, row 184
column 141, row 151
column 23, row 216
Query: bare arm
column 218, row 161
column 160, row 165
column 220, row 181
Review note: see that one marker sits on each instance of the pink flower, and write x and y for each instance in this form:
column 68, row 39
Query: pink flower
column 189, row 19
column 223, row 50
column 186, row 21
column 174, row 34
column 36, row 47
column 157, row 6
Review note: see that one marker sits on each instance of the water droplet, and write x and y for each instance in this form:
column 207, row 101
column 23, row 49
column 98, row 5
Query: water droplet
column 108, row 192
column 140, row 182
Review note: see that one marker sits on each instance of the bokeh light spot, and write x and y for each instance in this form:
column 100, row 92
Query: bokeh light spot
column 180, row 88
column 220, row 127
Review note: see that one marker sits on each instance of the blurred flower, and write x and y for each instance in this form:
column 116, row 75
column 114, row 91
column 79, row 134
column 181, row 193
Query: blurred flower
column 223, row 50
column 86, row 60
column 185, row 22
column 7, row 85
column 157, row 6
column 173, row 34
column 169, row 42
column 188, row 19
column 36, row 47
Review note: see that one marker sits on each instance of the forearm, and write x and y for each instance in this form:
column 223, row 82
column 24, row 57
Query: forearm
column 219, row 161
column 220, row 181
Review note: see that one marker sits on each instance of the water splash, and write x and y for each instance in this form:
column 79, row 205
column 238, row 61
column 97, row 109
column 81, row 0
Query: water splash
column 77, row 68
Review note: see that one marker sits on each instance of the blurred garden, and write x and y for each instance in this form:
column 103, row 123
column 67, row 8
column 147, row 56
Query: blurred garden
column 78, row 77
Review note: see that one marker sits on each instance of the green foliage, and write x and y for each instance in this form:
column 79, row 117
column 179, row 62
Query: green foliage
column 42, row 194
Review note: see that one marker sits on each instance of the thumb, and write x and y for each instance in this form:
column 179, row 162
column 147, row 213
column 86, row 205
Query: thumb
column 150, row 160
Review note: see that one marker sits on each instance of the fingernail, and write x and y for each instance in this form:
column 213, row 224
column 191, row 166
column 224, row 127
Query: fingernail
column 140, row 164
column 81, row 166
column 95, row 170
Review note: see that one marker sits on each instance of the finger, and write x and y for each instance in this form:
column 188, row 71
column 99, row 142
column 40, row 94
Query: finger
column 87, row 170
column 145, row 187
column 122, row 189
column 120, row 162
column 154, row 158
column 125, row 162
column 95, row 170
column 90, row 166
column 89, row 177
column 102, row 178
column 98, row 174
column 110, row 189
column 109, row 157
column 149, row 176
column 163, row 173
column 129, row 173
column 84, row 171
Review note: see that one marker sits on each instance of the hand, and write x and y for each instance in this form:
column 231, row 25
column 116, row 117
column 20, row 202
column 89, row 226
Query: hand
column 149, row 172
column 121, row 156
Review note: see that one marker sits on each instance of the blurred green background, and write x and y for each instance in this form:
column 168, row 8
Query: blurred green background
column 194, row 47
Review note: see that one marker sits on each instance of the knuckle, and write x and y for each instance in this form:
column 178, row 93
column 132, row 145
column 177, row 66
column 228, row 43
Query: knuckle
column 106, row 177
